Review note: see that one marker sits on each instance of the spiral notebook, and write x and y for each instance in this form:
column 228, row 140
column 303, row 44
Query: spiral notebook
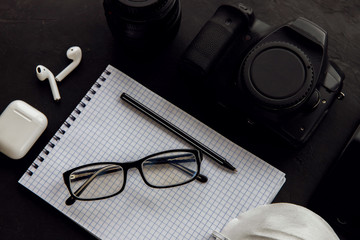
column 104, row 128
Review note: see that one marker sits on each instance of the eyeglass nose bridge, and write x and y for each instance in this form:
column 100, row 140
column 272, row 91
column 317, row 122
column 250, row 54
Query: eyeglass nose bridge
column 132, row 166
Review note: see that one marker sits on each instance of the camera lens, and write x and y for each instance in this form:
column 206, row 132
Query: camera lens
column 278, row 75
column 143, row 24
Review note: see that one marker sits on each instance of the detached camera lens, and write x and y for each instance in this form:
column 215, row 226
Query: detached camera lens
column 143, row 24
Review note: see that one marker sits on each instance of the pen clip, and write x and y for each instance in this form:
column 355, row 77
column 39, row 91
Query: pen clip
column 218, row 236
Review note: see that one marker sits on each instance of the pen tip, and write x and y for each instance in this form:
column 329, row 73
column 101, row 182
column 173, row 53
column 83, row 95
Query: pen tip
column 229, row 166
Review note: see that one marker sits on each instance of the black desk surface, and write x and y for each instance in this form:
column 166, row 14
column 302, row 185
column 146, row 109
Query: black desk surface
column 39, row 32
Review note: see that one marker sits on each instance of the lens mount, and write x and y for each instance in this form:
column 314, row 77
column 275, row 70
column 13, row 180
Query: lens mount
column 278, row 75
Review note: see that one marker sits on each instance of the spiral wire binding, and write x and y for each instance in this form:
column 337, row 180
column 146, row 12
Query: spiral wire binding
column 66, row 125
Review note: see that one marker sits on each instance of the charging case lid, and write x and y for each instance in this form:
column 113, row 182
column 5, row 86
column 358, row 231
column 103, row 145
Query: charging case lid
column 20, row 127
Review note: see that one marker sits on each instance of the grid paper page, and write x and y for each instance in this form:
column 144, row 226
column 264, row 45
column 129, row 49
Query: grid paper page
column 104, row 128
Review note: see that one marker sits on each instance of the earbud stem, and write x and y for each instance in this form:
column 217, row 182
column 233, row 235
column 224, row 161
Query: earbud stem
column 66, row 71
column 54, row 90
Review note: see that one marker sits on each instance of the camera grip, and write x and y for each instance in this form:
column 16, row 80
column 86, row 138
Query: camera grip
column 214, row 38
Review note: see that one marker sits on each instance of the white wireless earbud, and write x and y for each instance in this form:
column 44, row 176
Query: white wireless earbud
column 73, row 53
column 43, row 73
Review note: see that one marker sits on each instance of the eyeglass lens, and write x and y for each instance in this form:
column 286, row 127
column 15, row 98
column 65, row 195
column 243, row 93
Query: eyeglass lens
column 96, row 181
column 169, row 169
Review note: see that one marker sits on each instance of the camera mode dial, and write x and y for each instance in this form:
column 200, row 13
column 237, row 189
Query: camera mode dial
column 278, row 75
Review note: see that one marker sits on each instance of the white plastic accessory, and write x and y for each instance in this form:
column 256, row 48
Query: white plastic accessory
column 279, row 221
column 20, row 127
column 43, row 73
column 75, row 54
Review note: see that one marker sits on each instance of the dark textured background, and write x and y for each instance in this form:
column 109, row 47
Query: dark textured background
column 36, row 32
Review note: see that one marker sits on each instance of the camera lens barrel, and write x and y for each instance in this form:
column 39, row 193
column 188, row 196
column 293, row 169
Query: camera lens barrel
column 278, row 75
column 143, row 24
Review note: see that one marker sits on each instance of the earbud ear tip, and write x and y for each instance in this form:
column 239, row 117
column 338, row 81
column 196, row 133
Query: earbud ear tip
column 40, row 77
column 74, row 53
column 39, row 73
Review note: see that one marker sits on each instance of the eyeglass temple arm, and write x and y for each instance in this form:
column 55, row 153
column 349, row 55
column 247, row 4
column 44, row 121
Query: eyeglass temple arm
column 82, row 188
column 176, row 163
column 200, row 177
column 87, row 173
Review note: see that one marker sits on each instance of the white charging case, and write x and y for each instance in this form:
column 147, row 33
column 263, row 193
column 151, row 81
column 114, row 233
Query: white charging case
column 20, row 127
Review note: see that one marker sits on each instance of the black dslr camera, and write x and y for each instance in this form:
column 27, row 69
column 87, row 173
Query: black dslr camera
column 277, row 76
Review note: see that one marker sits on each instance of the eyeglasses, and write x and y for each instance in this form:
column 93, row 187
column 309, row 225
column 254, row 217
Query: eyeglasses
column 160, row 170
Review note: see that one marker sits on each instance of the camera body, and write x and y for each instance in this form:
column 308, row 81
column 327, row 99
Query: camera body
column 279, row 77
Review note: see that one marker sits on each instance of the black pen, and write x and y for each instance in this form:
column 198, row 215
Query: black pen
column 168, row 125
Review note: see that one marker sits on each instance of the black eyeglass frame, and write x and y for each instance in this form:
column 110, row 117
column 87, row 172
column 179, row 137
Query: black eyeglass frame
column 138, row 164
